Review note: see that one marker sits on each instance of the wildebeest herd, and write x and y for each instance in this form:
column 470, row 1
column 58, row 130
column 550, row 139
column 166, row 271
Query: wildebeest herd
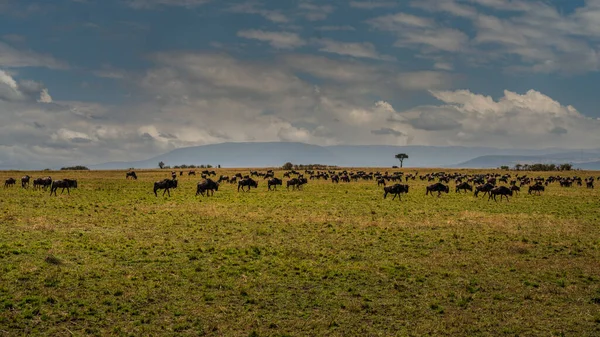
column 43, row 183
column 491, row 184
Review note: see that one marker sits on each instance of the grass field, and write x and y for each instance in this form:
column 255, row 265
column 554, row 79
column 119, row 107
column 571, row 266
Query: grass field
column 331, row 260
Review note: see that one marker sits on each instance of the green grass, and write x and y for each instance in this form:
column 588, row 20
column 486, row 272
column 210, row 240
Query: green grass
column 331, row 260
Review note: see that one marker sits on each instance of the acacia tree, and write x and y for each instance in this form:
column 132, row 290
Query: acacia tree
column 161, row 164
column 401, row 157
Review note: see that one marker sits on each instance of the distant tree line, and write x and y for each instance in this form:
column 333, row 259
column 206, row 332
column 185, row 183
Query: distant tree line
column 184, row 166
column 290, row 166
column 75, row 168
column 542, row 167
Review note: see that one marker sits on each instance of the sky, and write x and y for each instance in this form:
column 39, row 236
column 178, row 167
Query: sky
column 92, row 81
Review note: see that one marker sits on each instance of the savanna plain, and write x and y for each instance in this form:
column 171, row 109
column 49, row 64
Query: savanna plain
column 111, row 259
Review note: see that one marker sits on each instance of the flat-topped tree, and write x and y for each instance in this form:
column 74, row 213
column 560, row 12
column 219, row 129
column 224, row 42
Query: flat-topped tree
column 401, row 157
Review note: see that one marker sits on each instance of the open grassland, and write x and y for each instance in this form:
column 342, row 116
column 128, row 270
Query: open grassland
column 330, row 260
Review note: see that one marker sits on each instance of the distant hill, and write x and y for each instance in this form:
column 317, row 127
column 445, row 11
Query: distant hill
column 589, row 160
column 275, row 154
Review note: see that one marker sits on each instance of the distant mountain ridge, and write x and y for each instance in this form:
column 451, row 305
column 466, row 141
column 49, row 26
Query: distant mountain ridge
column 275, row 154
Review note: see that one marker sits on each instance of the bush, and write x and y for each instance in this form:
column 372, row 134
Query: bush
column 287, row 166
column 75, row 168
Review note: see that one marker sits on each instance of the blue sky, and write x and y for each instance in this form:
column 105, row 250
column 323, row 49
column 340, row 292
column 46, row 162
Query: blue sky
column 94, row 81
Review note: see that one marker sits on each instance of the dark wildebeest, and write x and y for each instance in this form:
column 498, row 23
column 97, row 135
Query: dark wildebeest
column 486, row 188
column 380, row 182
column 335, row 178
column 515, row 189
column 173, row 175
column 208, row 186
column 223, row 178
column 537, row 189
column 64, row 183
column 9, row 182
column 192, row 173
column 464, row 186
column 501, row 191
column 247, row 182
column 131, row 174
column 437, row 187
column 396, row 190
column 25, row 181
column 296, row 183
column 42, row 183
column 274, row 182
column 165, row 185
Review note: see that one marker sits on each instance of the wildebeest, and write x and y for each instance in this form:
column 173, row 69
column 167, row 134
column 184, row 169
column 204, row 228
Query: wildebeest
column 131, row 174
column 296, row 183
column 9, row 182
column 335, row 178
column 380, row 182
column 25, row 181
column 437, row 187
column 64, row 183
column 223, row 178
column 464, row 186
column 536, row 189
column 208, row 186
column 501, row 191
column 515, row 188
column 192, row 173
column 485, row 188
column 274, row 182
column 396, row 190
column 247, row 182
column 173, row 175
column 165, row 185
column 42, row 182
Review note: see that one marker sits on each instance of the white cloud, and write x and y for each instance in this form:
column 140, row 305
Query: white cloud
column 147, row 4
column 45, row 96
column 253, row 8
column 373, row 4
column 312, row 12
column 14, row 58
column 354, row 49
column 336, row 28
column 530, row 120
column 279, row 40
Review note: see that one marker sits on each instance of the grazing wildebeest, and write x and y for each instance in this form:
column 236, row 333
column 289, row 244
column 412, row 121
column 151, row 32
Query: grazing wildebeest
column 380, row 182
column 274, row 182
column 9, row 182
column 208, row 186
column 437, row 187
column 396, row 190
column 247, row 182
column 536, row 189
column 192, row 173
column 131, row 174
column 515, row 189
column 223, row 178
column 165, row 185
column 464, row 186
column 589, row 184
column 485, row 188
column 501, row 191
column 296, row 183
column 64, row 183
column 42, row 183
column 25, row 181
column 335, row 178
